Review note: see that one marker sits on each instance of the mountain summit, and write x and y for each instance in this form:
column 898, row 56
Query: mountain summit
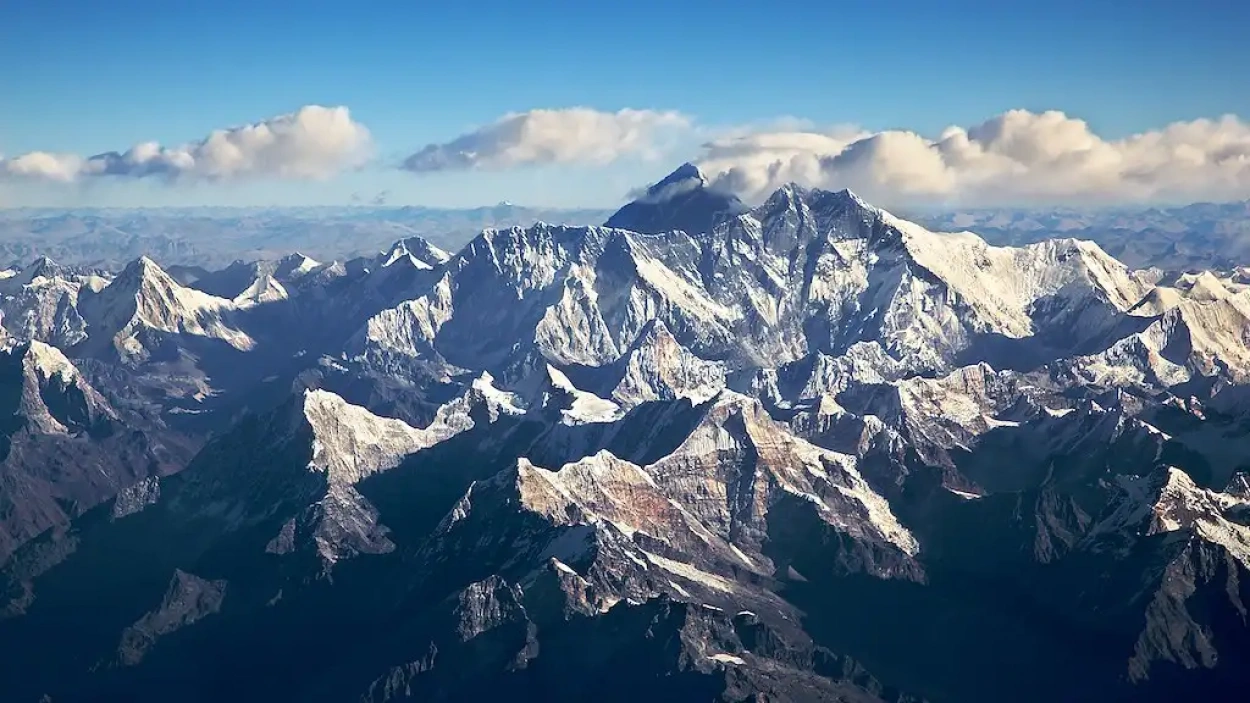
column 682, row 200
column 144, row 301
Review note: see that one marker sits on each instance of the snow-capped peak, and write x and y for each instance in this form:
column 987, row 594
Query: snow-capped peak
column 576, row 407
column 43, row 267
column 1168, row 500
column 44, row 273
column 293, row 266
column 143, row 276
column 49, row 362
column 144, row 297
column 351, row 443
column 681, row 201
column 736, row 434
column 497, row 402
column 143, row 267
column 265, row 289
column 47, row 377
column 788, row 196
column 851, row 198
column 682, row 174
column 415, row 251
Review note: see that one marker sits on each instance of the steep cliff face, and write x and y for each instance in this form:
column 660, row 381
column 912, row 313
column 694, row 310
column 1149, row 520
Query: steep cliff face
column 63, row 447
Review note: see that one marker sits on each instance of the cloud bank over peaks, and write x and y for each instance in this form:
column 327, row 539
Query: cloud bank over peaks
column 1018, row 157
column 311, row 143
column 576, row 135
column 1015, row 158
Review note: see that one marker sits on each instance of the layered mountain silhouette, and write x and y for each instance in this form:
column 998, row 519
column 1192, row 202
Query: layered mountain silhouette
column 805, row 451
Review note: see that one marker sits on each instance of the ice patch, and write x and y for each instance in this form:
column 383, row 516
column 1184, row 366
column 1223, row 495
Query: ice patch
column 690, row 573
column 738, row 553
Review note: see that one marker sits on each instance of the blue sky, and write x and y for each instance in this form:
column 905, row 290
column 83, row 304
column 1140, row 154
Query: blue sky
column 97, row 77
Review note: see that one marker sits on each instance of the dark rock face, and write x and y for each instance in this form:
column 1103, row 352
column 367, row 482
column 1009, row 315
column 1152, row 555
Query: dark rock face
column 682, row 201
column 188, row 599
column 64, row 448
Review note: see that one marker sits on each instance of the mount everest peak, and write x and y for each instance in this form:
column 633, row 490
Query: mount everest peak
column 682, row 200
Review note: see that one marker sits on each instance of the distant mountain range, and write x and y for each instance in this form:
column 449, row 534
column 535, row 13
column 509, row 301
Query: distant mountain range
column 803, row 451
column 215, row 237
column 1179, row 239
column 1188, row 238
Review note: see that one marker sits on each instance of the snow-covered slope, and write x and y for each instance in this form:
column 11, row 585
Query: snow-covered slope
column 1167, row 500
column 417, row 251
column 263, row 290
column 1170, row 338
column 574, row 295
column 56, row 398
column 557, row 396
column 807, row 273
column 40, row 302
column 317, row 449
column 144, row 299
column 658, row 367
column 293, row 267
column 830, row 272
column 742, row 462
column 351, row 443
column 243, row 279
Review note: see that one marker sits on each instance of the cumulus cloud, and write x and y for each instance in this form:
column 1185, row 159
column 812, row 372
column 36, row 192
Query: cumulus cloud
column 1018, row 157
column 42, row 165
column 572, row 135
column 312, row 143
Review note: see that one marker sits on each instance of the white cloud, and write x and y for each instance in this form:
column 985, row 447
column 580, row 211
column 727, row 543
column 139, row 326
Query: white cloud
column 756, row 164
column 312, row 143
column 1018, row 157
column 43, row 165
column 667, row 192
column 571, row 135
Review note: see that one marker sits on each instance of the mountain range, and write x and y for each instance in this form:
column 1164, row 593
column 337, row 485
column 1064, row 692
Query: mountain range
column 190, row 242
column 1176, row 239
column 803, row 451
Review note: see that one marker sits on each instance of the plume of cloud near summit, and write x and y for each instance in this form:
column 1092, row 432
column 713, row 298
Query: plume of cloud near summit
column 314, row 142
column 576, row 135
column 1018, row 157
